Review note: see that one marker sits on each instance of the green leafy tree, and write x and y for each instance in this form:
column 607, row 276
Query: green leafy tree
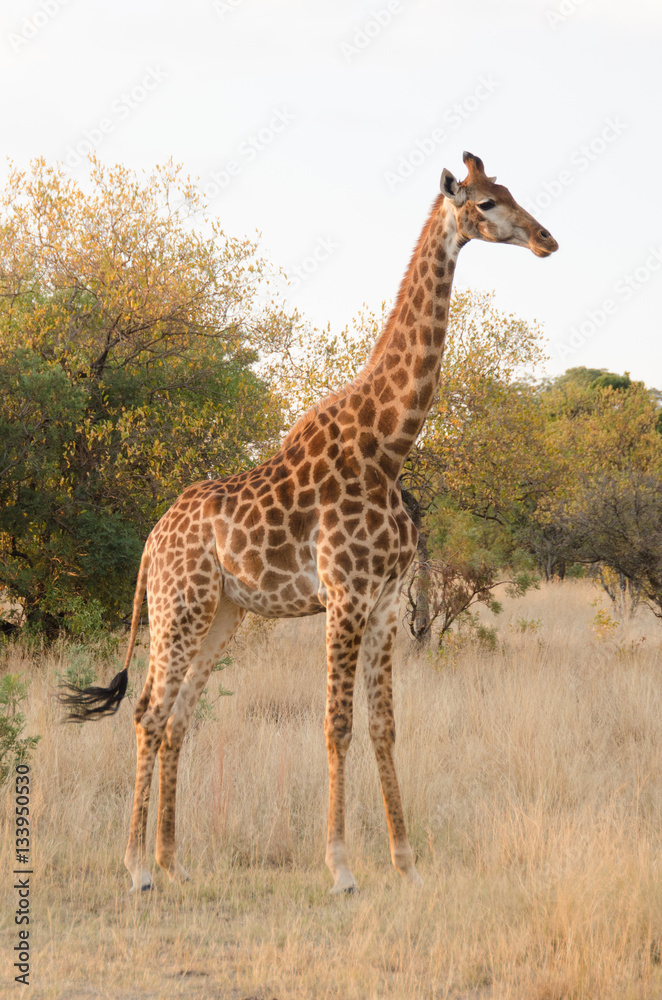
column 308, row 363
column 130, row 327
column 474, row 458
column 464, row 567
column 606, row 512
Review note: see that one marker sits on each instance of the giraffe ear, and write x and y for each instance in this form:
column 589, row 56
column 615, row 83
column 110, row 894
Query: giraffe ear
column 451, row 189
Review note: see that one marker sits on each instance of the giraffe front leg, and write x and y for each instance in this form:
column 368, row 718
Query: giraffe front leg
column 338, row 732
column 377, row 665
column 228, row 617
column 343, row 633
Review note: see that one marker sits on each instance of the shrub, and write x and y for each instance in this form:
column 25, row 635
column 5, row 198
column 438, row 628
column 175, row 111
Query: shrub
column 13, row 749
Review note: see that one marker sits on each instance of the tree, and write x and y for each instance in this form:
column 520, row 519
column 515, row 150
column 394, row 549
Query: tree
column 463, row 566
column 128, row 343
column 307, row 363
column 607, row 512
column 485, row 417
column 474, row 454
column 616, row 520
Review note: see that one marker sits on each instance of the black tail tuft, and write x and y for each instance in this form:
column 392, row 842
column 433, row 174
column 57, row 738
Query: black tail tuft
column 93, row 702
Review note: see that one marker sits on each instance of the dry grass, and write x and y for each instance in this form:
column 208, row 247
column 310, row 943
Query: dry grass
column 532, row 778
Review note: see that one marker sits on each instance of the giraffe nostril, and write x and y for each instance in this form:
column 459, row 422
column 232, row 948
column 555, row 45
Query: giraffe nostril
column 544, row 234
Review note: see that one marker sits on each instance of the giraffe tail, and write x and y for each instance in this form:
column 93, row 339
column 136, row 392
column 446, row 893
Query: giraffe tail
column 95, row 702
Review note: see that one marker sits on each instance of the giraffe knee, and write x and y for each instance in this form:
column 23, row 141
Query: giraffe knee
column 382, row 733
column 147, row 722
column 152, row 724
column 143, row 702
column 175, row 732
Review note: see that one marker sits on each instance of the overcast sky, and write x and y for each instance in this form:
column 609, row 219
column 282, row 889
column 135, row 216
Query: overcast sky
column 325, row 126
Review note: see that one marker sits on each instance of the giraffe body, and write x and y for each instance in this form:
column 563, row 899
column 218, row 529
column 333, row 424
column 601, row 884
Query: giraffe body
column 320, row 527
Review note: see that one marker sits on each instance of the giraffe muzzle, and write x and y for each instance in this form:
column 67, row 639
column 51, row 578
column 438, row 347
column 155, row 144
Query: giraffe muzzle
column 542, row 243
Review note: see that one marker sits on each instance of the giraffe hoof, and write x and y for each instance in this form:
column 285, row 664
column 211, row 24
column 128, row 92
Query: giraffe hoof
column 178, row 875
column 143, row 887
column 348, row 889
column 414, row 879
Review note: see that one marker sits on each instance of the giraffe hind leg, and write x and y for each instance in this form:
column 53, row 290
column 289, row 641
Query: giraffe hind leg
column 176, row 638
column 228, row 618
column 344, row 626
column 135, row 857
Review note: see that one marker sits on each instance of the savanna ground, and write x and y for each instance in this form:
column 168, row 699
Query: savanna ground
column 532, row 779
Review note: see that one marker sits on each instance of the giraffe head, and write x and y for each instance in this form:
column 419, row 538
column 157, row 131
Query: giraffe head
column 485, row 210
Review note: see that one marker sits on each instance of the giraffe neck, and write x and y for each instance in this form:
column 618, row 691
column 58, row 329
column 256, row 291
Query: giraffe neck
column 403, row 370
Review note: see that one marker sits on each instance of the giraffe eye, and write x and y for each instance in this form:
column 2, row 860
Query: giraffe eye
column 485, row 206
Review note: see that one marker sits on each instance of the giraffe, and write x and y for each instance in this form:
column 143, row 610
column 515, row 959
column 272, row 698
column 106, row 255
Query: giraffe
column 319, row 527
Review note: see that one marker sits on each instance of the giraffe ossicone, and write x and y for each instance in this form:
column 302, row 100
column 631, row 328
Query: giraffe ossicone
column 319, row 527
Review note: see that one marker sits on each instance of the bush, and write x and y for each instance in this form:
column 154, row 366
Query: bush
column 13, row 749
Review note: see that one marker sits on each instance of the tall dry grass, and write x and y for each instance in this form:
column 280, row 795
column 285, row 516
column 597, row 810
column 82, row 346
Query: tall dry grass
column 532, row 779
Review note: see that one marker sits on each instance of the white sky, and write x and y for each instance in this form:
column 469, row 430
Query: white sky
column 540, row 89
